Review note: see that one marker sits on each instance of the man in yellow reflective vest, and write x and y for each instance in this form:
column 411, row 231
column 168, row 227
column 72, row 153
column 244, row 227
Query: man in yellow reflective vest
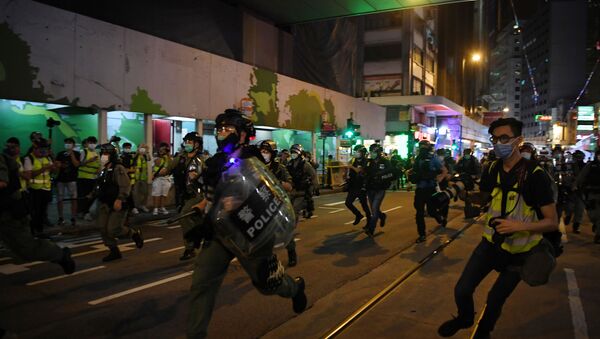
column 87, row 172
column 37, row 168
column 521, row 209
column 140, row 187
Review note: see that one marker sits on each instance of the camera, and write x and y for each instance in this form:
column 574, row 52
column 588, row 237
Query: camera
column 50, row 123
column 115, row 138
column 458, row 188
column 497, row 238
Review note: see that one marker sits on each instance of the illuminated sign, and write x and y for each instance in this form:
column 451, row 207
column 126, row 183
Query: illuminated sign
column 585, row 127
column 585, row 113
column 539, row 117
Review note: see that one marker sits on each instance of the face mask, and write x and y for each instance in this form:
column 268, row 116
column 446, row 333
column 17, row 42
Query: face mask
column 142, row 150
column 126, row 150
column 188, row 148
column 526, row 155
column 294, row 156
column 503, row 151
column 358, row 155
column 228, row 143
column 267, row 157
column 68, row 146
column 104, row 159
column 92, row 147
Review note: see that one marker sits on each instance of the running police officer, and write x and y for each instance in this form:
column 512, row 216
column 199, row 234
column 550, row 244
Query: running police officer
column 578, row 205
column 188, row 166
column 424, row 175
column 14, row 217
column 564, row 176
column 379, row 177
column 233, row 133
column 302, row 173
column 112, row 192
column 519, row 191
column 268, row 150
column 357, row 180
column 588, row 183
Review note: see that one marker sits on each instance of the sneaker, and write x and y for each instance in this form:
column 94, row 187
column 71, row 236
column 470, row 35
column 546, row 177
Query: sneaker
column 187, row 254
column 135, row 211
column 155, row 211
column 299, row 301
column 114, row 254
column 450, row 327
column 60, row 222
column 164, row 211
column 145, row 209
column 138, row 238
column 88, row 217
column 66, row 262
column 382, row 218
column 292, row 258
column 357, row 219
column 420, row 239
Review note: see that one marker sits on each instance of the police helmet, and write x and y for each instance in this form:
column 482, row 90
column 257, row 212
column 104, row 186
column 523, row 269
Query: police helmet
column 296, row 148
column 233, row 117
column 194, row 137
column 269, row 145
column 107, row 148
column 528, row 146
column 375, row 149
column 424, row 144
column 360, row 148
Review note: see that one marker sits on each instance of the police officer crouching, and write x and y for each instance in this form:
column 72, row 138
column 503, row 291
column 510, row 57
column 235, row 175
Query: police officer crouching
column 112, row 192
column 233, row 132
column 268, row 150
column 188, row 166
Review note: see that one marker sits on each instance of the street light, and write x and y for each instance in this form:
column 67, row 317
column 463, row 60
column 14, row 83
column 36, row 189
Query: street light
column 506, row 110
column 476, row 57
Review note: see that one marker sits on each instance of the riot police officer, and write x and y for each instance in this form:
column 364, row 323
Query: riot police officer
column 564, row 176
column 424, row 174
column 588, row 183
column 268, row 151
column 233, row 132
column 14, row 216
column 357, row 180
column 188, row 166
column 379, row 177
column 112, row 192
column 302, row 173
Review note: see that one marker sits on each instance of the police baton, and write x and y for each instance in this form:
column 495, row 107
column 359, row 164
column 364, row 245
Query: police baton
column 183, row 216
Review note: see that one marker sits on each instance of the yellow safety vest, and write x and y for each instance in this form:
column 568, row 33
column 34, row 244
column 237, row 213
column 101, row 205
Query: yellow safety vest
column 90, row 169
column 141, row 168
column 164, row 163
column 42, row 181
column 22, row 180
column 519, row 242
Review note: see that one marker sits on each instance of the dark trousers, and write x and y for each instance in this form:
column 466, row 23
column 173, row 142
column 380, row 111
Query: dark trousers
column 84, row 188
column 362, row 198
column 485, row 258
column 39, row 200
column 375, row 199
column 422, row 196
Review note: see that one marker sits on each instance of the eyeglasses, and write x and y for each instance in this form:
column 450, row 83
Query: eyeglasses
column 503, row 139
column 225, row 129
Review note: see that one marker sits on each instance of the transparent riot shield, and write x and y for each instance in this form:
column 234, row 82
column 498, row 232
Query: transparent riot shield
column 251, row 209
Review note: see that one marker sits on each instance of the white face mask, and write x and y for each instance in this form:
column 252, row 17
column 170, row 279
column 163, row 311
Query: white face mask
column 104, row 159
column 294, row 156
column 127, row 150
column 142, row 150
column 526, row 155
column 68, row 146
column 92, row 147
column 266, row 156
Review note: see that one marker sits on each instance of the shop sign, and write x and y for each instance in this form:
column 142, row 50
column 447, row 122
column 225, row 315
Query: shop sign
column 345, row 143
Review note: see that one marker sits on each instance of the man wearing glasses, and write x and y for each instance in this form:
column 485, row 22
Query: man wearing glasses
column 521, row 209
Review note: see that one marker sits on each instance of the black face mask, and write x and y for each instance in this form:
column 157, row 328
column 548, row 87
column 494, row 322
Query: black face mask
column 229, row 144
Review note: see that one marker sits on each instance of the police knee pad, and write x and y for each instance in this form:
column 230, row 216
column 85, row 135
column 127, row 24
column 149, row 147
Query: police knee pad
column 270, row 275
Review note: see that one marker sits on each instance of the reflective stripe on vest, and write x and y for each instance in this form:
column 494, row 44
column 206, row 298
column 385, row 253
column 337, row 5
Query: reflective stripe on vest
column 519, row 242
column 90, row 169
column 42, row 180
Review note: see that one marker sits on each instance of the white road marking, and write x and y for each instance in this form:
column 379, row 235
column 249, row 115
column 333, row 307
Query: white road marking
column 37, row 282
column 391, row 209
column 124, row 248
column 81, row 239
column 577, row 314
column 140, row 288
column 563, row 230
column 174, row 227
column 337, row 210
column 75, row 245
column 172, row 250
column 335, row 203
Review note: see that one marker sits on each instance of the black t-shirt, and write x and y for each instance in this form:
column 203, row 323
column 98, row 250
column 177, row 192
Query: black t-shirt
column 537, row 188
column 68, row 171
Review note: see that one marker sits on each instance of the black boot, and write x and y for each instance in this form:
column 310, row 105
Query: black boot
column 382, row 218
column 114, row 254
column 292, row 258
column 450, row 327
column 357, row 219
column 66, row 262
column 576, row 228
column 138, row 238
column 299, row 300
column 187, row 254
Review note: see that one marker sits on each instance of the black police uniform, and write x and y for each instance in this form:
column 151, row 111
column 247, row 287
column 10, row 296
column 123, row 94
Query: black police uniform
column 357, row 189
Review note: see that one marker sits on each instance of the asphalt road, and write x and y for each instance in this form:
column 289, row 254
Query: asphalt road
column 145, row 295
